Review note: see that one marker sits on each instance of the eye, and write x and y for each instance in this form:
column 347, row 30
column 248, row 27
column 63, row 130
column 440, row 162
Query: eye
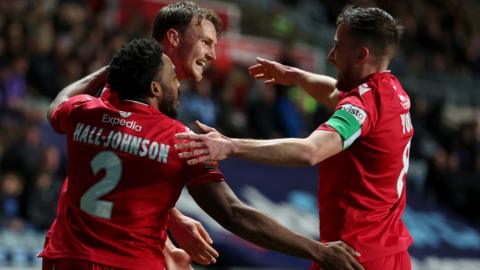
column 207, row 42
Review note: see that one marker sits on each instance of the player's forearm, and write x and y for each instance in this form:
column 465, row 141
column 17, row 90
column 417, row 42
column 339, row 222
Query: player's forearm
column 87, row 85
column 258, row 228
column 174, row 218
column 320, row 87
column 219, row 201
column 289, row 152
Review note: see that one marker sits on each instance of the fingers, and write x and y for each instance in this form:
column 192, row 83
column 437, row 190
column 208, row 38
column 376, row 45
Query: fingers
column 194, row 153
column 270, row 82
column 188, row 136
column 198, row 160
column 206, row 256
column 204, row 128
column 262, row 67
column 349, row 252
column 260, row 76
column 190, row 144
column 263, row 61
column 212, row 252
column 256, row 69
column 353, row 262
column 204, row 253
column 352, row 251
column 357, row 265
column 349, row 249
column 200, row 259
column 204, row 234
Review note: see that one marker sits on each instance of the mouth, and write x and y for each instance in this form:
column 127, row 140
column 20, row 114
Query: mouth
column 202, row 64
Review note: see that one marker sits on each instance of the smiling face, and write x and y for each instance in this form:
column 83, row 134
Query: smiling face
column 196, row 48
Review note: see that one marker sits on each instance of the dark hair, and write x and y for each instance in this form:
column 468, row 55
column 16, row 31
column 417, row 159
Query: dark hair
column 179, row 15
column 134, row 66
column 374, row 26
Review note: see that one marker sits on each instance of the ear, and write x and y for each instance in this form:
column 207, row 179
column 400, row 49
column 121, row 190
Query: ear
column 363, row 54
column 156, row 89
column 173, row 37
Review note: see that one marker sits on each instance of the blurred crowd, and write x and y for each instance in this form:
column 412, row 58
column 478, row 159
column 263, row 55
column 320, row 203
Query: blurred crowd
column 44, row 45
column 441, row 37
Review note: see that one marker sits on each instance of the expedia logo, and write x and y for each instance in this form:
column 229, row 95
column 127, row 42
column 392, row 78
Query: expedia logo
column 114, row 121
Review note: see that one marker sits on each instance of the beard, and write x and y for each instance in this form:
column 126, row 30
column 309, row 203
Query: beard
column 169, row 110
column 344, row 82
column 168, row 105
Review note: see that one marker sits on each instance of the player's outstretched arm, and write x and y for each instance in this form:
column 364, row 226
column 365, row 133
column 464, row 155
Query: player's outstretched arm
column 219, row 201
column 213, row 145
column 191, row 236
column 87, row 85
column 320, row 87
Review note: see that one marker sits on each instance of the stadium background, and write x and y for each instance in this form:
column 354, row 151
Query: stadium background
column 44, row 45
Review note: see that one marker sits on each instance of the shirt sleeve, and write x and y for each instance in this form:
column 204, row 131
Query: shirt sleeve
column 353, row 118
column 60, row 116
column 108, row 95
column 203, row 173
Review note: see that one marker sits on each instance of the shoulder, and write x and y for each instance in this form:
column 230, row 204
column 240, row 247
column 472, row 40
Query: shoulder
column 180, row 127
column 60, row 116
column 375, row 88
column 79, row 100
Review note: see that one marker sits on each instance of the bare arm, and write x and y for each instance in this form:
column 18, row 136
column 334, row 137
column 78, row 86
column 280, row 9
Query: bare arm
column 292, row 151
column 213, row 145
column 219, row 201
column 320, row 87
column 87, row 85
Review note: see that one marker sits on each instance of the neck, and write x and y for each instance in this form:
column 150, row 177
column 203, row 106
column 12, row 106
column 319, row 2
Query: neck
column 152, row 102
column 373, row 66
column 172, row 52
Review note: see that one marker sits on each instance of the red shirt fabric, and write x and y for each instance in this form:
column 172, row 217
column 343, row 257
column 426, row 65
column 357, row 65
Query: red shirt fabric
column 362, row 189
column 124, row 175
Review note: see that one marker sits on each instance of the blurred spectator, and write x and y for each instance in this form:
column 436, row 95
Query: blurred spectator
column 261, row 112
column 42, row 200
column 286, row 111
column 25, row 154
column 12, row 185
column 198, row 104
column 233, row 98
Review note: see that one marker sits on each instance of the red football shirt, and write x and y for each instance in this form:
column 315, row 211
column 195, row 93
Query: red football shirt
column 124, row 175
column 362, row 189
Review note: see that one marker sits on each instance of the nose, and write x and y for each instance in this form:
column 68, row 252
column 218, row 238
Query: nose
column 331, row 56
column 211, row 55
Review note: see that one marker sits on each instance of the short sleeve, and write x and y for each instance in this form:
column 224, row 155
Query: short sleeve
column 108, row 95
column 60, row 116
column 200, row 174
column 354, row 116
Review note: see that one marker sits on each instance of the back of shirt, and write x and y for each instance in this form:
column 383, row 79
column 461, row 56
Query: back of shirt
column 124, row 176
column 362, row 189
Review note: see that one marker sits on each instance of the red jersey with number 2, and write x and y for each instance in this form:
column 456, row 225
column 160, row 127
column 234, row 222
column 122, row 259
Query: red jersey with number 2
column 362, row 189
column 124, row 175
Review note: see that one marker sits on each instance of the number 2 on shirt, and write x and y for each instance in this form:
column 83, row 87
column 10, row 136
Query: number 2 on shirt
column 113, row 172
column 403, row 172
